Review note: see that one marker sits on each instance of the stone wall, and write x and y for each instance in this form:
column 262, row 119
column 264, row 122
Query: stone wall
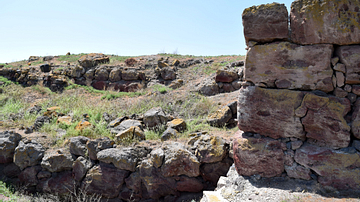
column 299, row 113
column 171, row 171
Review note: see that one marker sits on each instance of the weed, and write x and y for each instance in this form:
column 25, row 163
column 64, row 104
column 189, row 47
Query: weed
column 5, row 81
column 160, row 88
column 70, row 58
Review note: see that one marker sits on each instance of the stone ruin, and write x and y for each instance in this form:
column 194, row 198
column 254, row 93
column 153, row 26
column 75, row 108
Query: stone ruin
column 300, row 110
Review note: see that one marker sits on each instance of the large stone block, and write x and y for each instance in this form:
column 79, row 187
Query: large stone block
column 258, row 156
column 323, row 120
column 270, row 112
column 290, row 66
column 350, row 57
column 325, row 21
column 265, row 23
column 336, row 168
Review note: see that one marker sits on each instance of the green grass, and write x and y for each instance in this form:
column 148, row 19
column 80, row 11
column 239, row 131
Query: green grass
column 70, row 58
column 115, row 58
column 161, row 88
column 5, row 80
column 8, row 191
column 7, row 65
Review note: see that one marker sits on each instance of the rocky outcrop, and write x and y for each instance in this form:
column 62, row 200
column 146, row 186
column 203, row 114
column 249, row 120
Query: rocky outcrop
column 256, row 21
column 8, row 142
column 28, row 154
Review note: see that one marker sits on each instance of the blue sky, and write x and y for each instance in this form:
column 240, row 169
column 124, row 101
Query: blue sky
column 128, row 28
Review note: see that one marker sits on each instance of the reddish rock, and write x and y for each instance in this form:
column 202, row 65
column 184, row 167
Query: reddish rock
column 126, row 86
column 189, row 184
column 349, row 56
column 262, row 156
column 227, row 76
column 270, row 112
column 168, row 73
column 328, row 21
column 100, row 85
column 105, row 180
column 228, row 87
column 28, row 176
column 93, row 59
column 355, row 125
column 323, row 120
column 265, row 23
column 290, row 66
column 61, row 183
column 336, row 168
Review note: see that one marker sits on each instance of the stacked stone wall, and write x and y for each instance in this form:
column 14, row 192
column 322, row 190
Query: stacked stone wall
column 299, row 113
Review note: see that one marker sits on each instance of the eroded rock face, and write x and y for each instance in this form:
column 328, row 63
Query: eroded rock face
column 80, row 168
column 265, row 23
column 270, row 112
column 28, row 177
column 331, row 22
column 323, row 120
column 258, row 156
column 349, row 56
column 336, row 168
column 8, row 143
column 290, row 66
column 105, row 180
column 29, row 154
column 60, row 183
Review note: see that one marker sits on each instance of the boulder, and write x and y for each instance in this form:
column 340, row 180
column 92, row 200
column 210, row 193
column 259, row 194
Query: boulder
column 189, row 184
column 78, row 145
column 349, row 57
column 258, row 156
column 8, row 142
column 177, row 124
column 100, row 85
column 93, row 59
column 45, row 68
column 328, row 21
column 82, row 125
column 126, row 125
column 94, row 146
column 265, row 23
column 47, row 58
column 11, row 170
column 116, row 122
column 57, row 161
column 60, row 183
column 101, row 74
column 157, row 157
column 208, row 87
column 210, row 149
column 225, row 75
column 227, row 87
column 179, row 161
column 75, row 71
column 220, row 117
column 124, row 158
column 134, row 132
column 270, row 112
column 126, row 86
column 115, row 75
column 169, row 133
column 297, row 171
column 168, row 73
column 323, row 120
column 155, row 183
column 133, row 182
column 28, row 154
column 129, row 74
column 290, row 66
column 40, row 121
column 155, row 117
column 105, row 180
column 335, row 168
column 28, row 177
column 33, row 58
column 89, row 75
column 64, row 120
column 80, row 168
